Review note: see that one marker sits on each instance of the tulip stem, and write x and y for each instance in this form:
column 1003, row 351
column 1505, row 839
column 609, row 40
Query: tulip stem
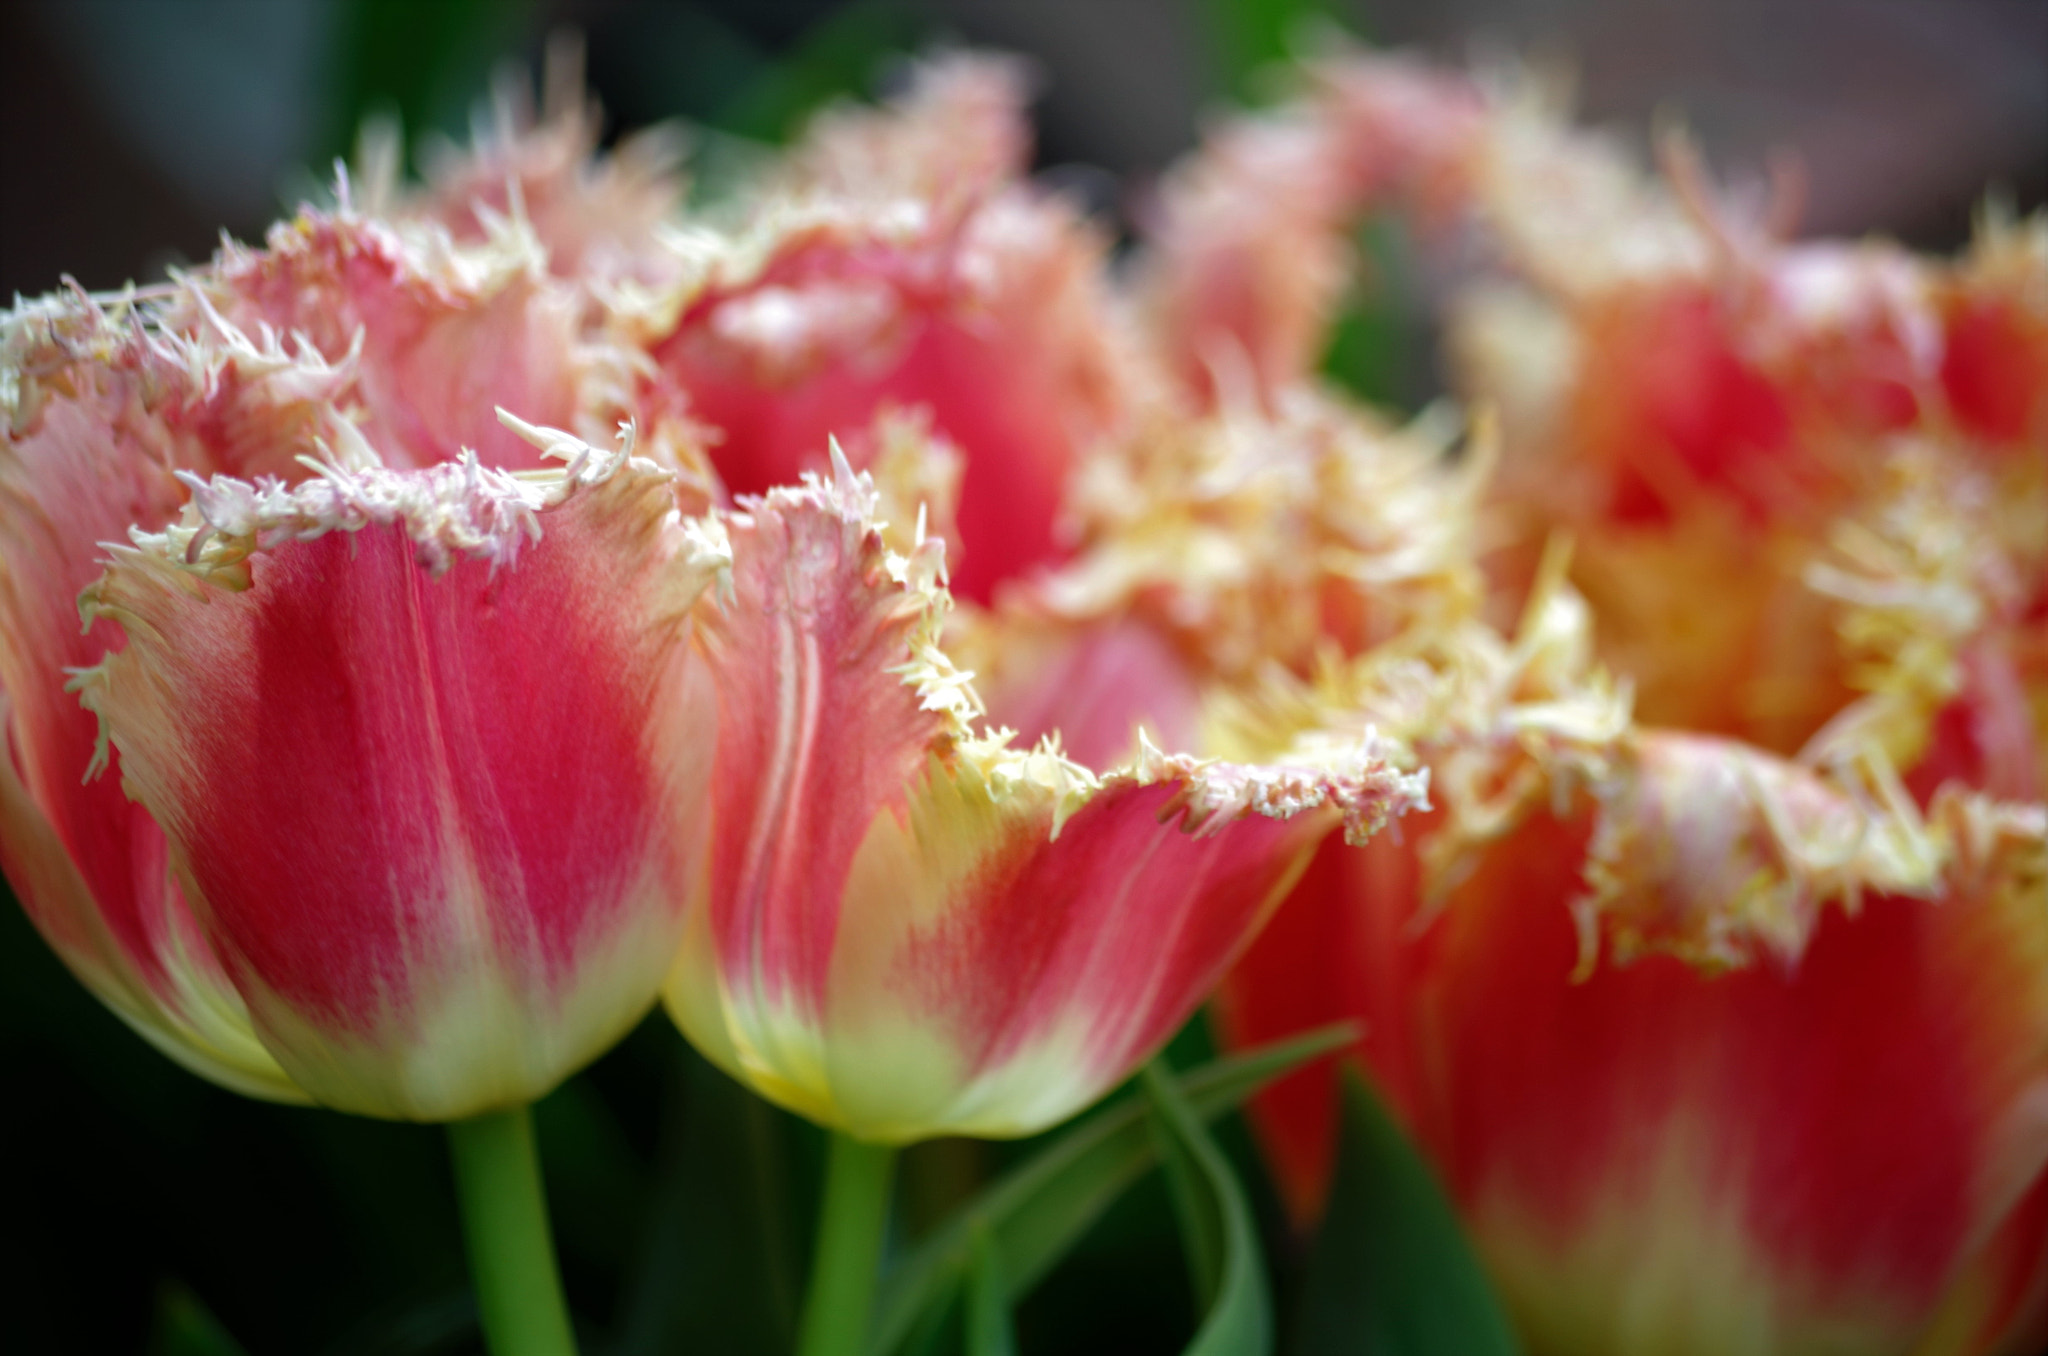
column 849, row 1250
column 505, row 1222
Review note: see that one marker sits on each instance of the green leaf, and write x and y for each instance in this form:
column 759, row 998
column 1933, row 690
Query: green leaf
column 1240, row 1312
column 1038, row 1210
column 186, row 1327
column 1246, row 37
column 1201, row 1229
column 1392, row 1273
column 836, row 58
column 720, row 1267
column 425, row 63
column 988, row 1303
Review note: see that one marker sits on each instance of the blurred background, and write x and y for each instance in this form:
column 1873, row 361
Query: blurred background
column 149, row 1212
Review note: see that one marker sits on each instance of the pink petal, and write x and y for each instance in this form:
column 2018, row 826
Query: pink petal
column 105, row 413
column 914, row 930
column 435, row 334
column 430, row 751
column 904, row 266
column 595, row 214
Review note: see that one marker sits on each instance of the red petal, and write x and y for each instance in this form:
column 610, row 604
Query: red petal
column 429, row 759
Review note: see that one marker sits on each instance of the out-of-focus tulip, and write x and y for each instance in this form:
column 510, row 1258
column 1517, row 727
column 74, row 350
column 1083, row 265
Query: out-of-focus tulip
column 896, row 263
column 1713, row 1055
column 1249, row 250
column 913, row 929
column 598, row 216
column 1219, row 544
column 1688, row 397
column 432, row 332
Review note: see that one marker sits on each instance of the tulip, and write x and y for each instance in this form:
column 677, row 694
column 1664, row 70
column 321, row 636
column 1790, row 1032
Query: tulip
column 433, row 332
column 912, row 929
column 304, row 833
column 100, row 415
column 1684, row 394
column 1713, row 1055
column 894, row 264
column 1218, row 545
column 426, row 855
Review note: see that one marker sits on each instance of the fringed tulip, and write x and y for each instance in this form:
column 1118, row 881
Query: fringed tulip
column 398, row 792
column 913, row 929
column 898, row 264
column 402, row 925
column 1714, row 1055
column 1688, row 398
column 430, row 752
column 100, row 415
column 435, row 333
column 1220, row 544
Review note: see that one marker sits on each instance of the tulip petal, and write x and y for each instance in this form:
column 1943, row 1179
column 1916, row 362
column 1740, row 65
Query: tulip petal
column 904, row 265
column 1250, row 244
column 1808, row 1148
column 596, row 215
column 434, row 332
column 915, row 929
column 104, row 411
column 430, row 753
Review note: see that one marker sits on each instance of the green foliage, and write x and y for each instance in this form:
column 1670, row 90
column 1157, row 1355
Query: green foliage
column 425, row 64
column 838, row 57
column 1216, row 1224
column 186, row 1327
column 1246, row 37
column 1392, row 1273
column 989, row 1332
column 1035, row 1213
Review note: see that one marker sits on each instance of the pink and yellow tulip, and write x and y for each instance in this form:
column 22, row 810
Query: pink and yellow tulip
column 1712, row 1056
column 898, row 261
column 342, row 835
column 911, row 928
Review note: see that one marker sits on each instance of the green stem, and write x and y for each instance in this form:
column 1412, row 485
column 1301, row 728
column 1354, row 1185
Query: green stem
column 849, row 1250
column 505, row 1221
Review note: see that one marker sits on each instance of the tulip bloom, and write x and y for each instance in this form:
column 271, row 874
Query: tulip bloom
column 1712, row 1056
column 1218, row 545
column 1681, row 392
column 898, row 264
column 442, row 865
column 913, row 929
column 383, row 911
column 100, row 414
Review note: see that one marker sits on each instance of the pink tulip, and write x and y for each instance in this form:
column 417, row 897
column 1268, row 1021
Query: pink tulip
column 913, row 929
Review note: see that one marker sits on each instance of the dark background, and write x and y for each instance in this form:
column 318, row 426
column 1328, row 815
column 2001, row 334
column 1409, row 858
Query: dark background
column 148, row 1211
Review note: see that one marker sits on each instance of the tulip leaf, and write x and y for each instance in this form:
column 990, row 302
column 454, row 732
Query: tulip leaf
column 988, row 1303
column 186, row 1327
column 1201, row 1228
column 1038, row 1210
column 1223, row 1247
column 1392, row 1273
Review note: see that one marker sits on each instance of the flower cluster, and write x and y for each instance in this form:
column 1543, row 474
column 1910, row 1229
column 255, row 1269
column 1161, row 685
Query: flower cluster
column 930, row 663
